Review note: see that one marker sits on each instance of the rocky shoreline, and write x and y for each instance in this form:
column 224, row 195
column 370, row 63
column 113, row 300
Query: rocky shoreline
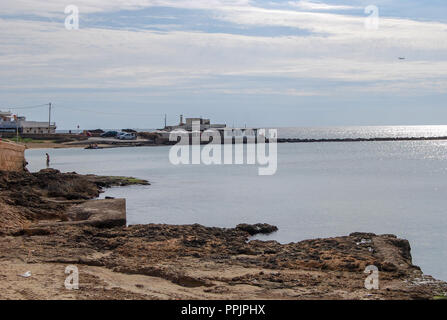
column 181, row 262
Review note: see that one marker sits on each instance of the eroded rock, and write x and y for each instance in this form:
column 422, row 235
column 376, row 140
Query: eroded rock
column 259, row 228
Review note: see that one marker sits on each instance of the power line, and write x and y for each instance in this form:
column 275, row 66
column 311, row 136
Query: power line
column 87, row 110
column 51, row 107
column 29, row 107
column 110, row 113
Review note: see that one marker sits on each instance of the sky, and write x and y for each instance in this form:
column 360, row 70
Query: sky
column 240, row 62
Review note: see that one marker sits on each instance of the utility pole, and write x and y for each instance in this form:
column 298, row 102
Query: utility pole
column 17, row 127
column 49, row 117
column 166, row 120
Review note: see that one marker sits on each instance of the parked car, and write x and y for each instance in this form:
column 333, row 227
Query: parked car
column 127, row 136
column 109, row 134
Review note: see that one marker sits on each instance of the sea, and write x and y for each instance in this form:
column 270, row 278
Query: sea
column 319, row 190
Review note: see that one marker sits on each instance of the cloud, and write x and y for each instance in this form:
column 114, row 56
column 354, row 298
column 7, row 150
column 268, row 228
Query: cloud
column 56, row 8
column 308, row 5
column 338, row 52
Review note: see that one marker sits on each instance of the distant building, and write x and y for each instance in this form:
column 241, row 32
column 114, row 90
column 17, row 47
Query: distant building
column 232, row 134
column 12, row 123
column 7, row 122
column 37, row 127
column 205, row 124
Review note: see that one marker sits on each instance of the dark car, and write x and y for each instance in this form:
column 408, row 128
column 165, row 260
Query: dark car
column 109, row 134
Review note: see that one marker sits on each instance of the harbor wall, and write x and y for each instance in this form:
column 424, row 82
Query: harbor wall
column 53, row 137
column 12, row 156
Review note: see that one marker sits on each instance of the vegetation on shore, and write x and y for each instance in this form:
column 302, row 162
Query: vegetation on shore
column 131, row 180
column 111, row 181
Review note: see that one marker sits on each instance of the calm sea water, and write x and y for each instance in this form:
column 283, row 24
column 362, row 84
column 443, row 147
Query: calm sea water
column 319, row 190
column 363, row 132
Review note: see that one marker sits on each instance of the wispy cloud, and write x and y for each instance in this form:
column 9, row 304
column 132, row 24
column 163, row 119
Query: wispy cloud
column 170, row 50
column 308, row 5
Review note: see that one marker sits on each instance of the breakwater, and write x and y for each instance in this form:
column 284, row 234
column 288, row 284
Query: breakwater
column 296, row 140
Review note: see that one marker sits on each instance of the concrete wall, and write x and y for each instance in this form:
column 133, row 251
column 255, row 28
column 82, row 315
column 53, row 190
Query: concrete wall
column 12, row 156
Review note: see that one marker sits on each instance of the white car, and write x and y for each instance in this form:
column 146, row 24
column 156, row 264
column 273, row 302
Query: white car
column 126, row 136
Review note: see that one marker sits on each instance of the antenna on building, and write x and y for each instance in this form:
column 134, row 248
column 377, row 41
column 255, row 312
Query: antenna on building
column 166, row 116
column 17, row 126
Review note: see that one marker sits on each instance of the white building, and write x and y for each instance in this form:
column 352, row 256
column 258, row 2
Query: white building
column 205, row 124
column 7, row 123
column 36, row 127
column 12, row 123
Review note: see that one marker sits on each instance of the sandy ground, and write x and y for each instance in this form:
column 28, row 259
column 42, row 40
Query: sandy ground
column 47, row 281
column 44, row 144
column 49, row 145
column 196, row 262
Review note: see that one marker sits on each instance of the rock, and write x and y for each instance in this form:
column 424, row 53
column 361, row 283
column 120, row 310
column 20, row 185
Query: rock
column 388, row 266
column 259, row 228
column 26, row 198
column 403, row 245
column 194, row 256
column 362, row 234
column 49, row 171
column 106, row 213
column 33, row 232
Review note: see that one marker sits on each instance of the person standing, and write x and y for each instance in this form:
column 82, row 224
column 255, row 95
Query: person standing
column 48, row 160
